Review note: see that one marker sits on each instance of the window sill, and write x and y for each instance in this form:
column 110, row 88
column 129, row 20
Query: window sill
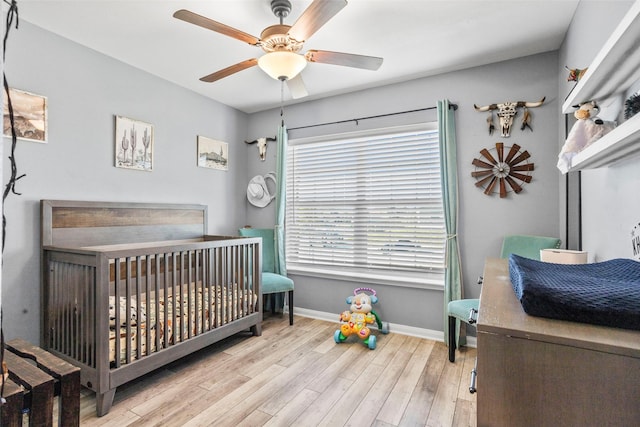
column 435, row 282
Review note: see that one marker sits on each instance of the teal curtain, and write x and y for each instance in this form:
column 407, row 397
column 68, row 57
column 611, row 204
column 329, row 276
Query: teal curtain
column 281, row 196
column 280, row 201
column 453, row 289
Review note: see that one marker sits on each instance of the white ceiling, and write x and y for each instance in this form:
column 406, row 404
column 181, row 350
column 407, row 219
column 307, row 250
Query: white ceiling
column 416, row 38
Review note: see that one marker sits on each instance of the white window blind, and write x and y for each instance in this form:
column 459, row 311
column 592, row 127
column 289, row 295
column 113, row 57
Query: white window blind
column 366, row 203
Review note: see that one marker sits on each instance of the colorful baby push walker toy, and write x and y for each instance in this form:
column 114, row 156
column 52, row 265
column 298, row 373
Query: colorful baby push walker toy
column 360, row 315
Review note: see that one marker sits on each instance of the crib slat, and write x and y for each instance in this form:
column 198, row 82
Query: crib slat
column 178, row 300
column 174, row 279
column 237, row 280
column 201, row 307
column 185, row 273
column 91, row 314
column 160, row 330
column 215, row 278
column 147, row 294
column 211, row 259
column 66, row 317
column 216, row 288
column 201, row 302
column 53, row 301
column 223, row 277
column 127, row 313
column 204, row 277
column 243, row 281
column 78, row 309
column 85, row 330
column 224, row 266
column 139, row 320
column 64, row 338
column 116, row 264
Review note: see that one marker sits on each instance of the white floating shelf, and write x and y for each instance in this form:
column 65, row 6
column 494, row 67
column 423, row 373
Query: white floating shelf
column 623, row 142
column 615, row 69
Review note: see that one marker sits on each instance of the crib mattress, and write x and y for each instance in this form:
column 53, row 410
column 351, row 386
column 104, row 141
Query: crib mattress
column 191, row 317
column 605, row 293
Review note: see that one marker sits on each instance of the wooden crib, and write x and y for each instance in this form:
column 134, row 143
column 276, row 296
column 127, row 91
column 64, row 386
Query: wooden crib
column 130, row 287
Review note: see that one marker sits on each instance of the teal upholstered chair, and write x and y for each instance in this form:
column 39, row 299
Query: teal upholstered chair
column 272, row 283
column 466, row 309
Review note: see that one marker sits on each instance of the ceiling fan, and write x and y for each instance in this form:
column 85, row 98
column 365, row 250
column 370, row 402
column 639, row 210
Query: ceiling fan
column 282, row 44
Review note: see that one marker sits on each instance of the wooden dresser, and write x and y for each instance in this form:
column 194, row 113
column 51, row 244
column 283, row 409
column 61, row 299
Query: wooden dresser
column 534, row 371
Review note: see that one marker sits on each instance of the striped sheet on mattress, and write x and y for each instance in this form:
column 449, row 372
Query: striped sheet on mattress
column 192, row 317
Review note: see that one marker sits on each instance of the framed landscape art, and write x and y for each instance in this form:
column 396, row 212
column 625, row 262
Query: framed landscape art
column 133, row 144
column 213, row 154
column 29, row 114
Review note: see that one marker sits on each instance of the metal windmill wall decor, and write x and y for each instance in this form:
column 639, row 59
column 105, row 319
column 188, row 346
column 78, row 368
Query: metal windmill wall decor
column 495, row 171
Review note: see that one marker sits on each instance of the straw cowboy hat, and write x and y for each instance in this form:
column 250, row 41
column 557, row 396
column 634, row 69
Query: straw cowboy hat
column 258, row 192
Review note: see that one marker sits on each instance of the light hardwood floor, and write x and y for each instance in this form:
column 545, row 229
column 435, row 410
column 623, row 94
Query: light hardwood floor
column 298, row 376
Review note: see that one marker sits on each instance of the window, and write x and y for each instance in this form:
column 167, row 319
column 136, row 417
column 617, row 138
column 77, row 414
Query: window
column 367, row 206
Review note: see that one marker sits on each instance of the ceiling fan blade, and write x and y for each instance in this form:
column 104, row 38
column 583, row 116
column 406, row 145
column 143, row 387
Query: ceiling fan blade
column 210, row 24
column 229, row 70
column 344, row 59
column 315, row 16
column 296, row 87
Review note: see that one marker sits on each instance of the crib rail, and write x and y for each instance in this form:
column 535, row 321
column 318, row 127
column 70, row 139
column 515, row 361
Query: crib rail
column 118, row 304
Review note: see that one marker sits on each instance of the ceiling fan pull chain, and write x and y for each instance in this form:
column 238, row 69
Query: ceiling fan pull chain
column 282, row 102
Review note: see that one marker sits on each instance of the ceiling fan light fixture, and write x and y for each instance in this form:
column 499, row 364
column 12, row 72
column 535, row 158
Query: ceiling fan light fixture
column 282, row 65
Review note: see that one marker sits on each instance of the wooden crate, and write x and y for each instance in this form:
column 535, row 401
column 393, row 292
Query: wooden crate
column 35, row 377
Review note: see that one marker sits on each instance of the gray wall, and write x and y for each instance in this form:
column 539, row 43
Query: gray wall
column 610, row 202
column 483, row 220
column 85, row 90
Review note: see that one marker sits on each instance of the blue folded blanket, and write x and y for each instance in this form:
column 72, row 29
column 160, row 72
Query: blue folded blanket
column 604, row 293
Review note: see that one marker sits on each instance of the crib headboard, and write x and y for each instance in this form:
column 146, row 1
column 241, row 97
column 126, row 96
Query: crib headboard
column 75, row 224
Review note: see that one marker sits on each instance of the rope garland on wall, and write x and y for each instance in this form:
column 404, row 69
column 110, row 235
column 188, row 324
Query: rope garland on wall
column 11, row 184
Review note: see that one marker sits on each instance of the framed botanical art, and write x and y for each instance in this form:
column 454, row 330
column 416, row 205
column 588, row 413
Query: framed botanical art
column 133, row 144
column 29, row 114
column 213, row 154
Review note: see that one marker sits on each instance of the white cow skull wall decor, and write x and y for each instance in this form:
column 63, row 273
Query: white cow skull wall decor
column 262, row 146
column 507, row 111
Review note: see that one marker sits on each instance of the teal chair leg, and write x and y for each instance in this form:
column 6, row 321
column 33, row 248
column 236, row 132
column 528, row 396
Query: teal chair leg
column 272, row 301
column 459, row 310
column 452, row 339
column 290, row 307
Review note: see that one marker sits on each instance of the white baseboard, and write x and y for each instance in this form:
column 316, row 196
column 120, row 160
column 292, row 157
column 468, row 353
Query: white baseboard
column 429, row 334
